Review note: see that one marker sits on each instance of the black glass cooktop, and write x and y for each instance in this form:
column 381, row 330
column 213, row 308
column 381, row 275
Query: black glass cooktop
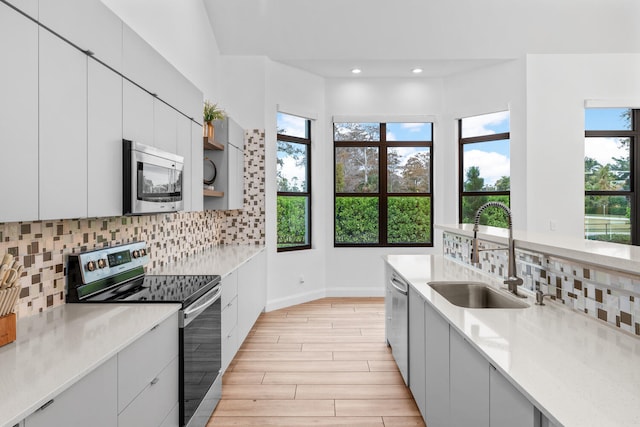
column 180, row 289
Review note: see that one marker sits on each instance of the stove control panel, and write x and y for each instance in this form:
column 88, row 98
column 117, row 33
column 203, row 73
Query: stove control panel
column 107, row 262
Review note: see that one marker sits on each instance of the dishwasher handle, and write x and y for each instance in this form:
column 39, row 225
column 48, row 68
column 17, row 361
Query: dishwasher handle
column 398, row 285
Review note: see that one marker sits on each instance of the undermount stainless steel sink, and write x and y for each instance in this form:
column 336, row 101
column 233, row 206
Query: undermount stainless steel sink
column 475, row 295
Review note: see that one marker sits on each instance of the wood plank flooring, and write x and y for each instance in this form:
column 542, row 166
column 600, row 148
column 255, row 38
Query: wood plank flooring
column 324, row 364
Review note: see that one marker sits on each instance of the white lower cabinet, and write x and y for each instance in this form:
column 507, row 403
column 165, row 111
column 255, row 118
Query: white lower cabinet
column 243, row 299
column 140, row 364
column 417, row 335
column 251, row 293
column 453, row 384
column 89, row 402
column 155, row 401
column 436, row 368
column 469, row 383
column 137, row 387
column 508, row 407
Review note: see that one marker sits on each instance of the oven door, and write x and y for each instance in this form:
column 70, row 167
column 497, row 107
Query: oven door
column 201, row 354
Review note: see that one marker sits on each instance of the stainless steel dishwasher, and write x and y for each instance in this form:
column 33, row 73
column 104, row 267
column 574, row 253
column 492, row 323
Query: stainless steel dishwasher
column 397, row 321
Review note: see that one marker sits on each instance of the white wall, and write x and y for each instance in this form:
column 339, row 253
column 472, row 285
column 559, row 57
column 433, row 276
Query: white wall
column 296, row 92
column 359, row 271
column 180, row 31
column 496, row 88
column 557, row 87
column 243, row 91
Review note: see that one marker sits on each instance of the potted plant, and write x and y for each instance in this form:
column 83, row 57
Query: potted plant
column 210, row 113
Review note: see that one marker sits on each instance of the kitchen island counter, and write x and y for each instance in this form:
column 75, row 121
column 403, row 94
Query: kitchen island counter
column 578, row 371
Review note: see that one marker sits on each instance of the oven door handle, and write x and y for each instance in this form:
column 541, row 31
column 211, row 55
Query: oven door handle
column 193, row 312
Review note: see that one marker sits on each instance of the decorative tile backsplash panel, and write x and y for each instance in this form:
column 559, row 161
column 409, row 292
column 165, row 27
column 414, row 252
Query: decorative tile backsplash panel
column 42, row 246
column 607, row 295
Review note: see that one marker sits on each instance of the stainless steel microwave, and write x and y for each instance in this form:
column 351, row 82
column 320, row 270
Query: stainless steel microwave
column 152, row 180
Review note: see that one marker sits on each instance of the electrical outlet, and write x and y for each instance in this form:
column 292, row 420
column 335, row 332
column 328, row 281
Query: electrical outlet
column 301, row 280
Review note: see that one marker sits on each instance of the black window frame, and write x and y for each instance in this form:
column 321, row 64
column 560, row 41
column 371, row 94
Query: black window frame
column 462, row 142
column 382, row 194
column 634, row 170
column 307, row 193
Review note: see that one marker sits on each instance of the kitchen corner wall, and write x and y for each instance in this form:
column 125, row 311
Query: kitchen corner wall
column 43, row 246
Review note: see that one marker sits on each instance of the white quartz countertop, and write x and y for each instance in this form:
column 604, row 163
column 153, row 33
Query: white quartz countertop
column 605, row 254
column 220, row 260
column 56, row 348
column 579, row 372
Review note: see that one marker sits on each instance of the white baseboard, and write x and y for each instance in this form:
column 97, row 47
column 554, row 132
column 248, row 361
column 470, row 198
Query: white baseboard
column 288, row 301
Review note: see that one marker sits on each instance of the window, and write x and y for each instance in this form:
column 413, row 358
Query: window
column 610, row 177
column 484, row 171
column 294, row 182
column 383, row 192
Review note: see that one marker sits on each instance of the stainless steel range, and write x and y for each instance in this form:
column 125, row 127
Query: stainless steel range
column 116, row 275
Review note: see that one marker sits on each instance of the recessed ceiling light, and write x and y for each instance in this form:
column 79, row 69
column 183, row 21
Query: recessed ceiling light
column 416, row 70
column 356, row 71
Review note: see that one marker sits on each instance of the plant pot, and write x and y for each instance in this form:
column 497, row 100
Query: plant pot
column 209, row 131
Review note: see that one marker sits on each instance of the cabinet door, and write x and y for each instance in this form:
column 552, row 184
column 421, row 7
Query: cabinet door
column 509, row 408
column 63, row 129
column 251, row 284
column 417, row 349
column 89, row 402
column 233, row 178
column 144, row 65
column 137, row 114
column 436, row 368
column 19, row 112
column 197, row 174
column 165, row 123
column 88, row 24
column 469, row 382
column 30, row 7
column 104, row 141
column 183, row 148
column 236, row 166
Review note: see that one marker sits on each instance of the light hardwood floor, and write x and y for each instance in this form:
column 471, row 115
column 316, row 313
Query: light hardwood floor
column 322, row 363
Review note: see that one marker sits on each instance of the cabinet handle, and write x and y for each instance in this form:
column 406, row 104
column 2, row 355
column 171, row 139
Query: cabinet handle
column 46, row 405
column 154, row 328
column 155, row 381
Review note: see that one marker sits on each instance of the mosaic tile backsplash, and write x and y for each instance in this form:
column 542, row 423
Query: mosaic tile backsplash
column 607, row 295
column 42, row 246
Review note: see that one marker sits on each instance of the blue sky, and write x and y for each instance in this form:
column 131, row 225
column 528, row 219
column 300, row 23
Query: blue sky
column 492, row 158
column 605, row 119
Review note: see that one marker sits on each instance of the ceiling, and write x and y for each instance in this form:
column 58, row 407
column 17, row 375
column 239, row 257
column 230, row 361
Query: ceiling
column 443, row 37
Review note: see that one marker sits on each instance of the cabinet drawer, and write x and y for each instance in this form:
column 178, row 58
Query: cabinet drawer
column 229, row 347
column 156, row 401
column 143, row 360
column 229, row 316
column 229, row 288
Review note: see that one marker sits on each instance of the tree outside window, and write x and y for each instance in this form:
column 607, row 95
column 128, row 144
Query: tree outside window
column 484, row 167
column 610, row 162
column 294, row 182
column 383, row 184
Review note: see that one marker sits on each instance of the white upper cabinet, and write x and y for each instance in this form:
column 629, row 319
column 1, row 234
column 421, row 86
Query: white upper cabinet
column 184, row 149
column 188, row 98
column 63, row 129
column 104, row 141
column 19, row 116
column 145, row 66
column 30, row 7
column 88, row 24
column 197, row 165
column 137, row 114
column 165, row 122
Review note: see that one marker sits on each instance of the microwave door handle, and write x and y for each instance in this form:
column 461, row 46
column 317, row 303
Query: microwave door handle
column 193, row 312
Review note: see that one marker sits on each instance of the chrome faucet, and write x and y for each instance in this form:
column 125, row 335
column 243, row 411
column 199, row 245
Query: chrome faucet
column 512, row 281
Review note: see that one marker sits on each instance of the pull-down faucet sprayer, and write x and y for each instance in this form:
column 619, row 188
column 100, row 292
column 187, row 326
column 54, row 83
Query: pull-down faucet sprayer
column 512, row 281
